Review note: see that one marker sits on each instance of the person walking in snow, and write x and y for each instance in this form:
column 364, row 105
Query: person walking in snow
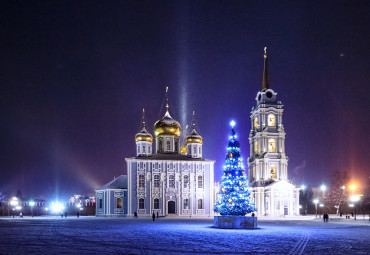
column 153, row 216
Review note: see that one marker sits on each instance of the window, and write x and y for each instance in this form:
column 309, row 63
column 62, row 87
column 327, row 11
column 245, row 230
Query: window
column 141, row 203
column 255, row 122
column 186, row 181
column 255, row 147
column 189, row 149
column 195, row 149
column 144, row 149
column 186, row 203
column 168, row 145
column 156, row 203
column 200, row 150
column 119, row 202
column 160, row 145
column 254, row 172
column 200, row 182
column 141, row 181
column 138, row 149
column 156, row 181
column 272, row 145
column 176, row 145
column 271, row 120
column 273, row 172
column 100, row 203
column 200, row 203
column 171, row 181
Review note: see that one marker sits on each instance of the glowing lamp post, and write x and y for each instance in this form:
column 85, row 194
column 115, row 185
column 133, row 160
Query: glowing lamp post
column 316, row 201
column 323, row 189
column 355, row 199
column 32, row 204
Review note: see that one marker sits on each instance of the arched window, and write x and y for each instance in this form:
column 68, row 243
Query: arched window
column 272, row 145
column 141, row 181
column 186, row 181
column 255, row 147
column 119, row 202
column 144, row 149
column 271, row 120
column 171, row 181
column 156, row 181
column 254, row 172
column 255, row 122
column 168, row 145
column 200, row 203
column 195, row 149
column 156, row 203
column 160, row 144
column 189, row 149
column 200, row 182
column 273, row 172
column 141, row 203
column 186, row 203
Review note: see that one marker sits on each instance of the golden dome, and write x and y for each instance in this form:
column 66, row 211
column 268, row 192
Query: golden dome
column 183, row 150
column 167, row 126
column 144, row 136
column 194, row 137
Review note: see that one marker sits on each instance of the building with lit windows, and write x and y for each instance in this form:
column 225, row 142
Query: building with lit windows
column 273, row 193
column 172, row 181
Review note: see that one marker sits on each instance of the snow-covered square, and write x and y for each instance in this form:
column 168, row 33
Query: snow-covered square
column 88, row 235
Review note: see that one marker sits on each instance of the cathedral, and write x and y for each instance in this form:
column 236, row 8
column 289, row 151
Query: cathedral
column 175, row 180
column 274, row 194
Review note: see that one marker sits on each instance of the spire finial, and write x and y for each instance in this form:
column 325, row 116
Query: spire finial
column 193, row 120
column 265, row 78
column 143, row 119
column 167, row 106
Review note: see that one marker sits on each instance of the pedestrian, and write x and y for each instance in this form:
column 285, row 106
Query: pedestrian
column 20, row 215
column 65, row 214
column 324, row 217
column 327, row 217
column 157, row 214
column 78, row 214
column 61, row 215
column 153, row 216
column 135, row 214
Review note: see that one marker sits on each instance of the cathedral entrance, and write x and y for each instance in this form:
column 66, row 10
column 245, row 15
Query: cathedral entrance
column 171, row 207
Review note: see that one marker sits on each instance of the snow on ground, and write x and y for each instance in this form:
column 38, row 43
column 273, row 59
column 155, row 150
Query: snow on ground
column 89, row 235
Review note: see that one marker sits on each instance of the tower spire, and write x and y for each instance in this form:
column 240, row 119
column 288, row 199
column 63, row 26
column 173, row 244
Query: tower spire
column 143, row 119
column 167, row 106
column 193, row 120
column 265, row 78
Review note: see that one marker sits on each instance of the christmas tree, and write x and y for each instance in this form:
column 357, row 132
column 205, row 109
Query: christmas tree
column 234, row 197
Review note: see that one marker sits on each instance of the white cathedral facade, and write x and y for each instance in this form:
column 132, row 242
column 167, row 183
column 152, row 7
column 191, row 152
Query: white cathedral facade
column 274, row 194
column 178, row 181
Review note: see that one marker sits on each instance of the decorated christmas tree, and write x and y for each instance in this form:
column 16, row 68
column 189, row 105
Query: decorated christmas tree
column 234, row 197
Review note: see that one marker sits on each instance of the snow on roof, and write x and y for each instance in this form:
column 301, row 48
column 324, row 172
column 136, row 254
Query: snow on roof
column 118, row 183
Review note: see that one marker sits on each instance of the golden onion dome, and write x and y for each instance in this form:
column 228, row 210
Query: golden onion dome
column 194, row 137
column 144, row 136
column 167, row 126
column 183, row 150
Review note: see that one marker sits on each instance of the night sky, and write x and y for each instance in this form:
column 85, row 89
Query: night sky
column 75, row 75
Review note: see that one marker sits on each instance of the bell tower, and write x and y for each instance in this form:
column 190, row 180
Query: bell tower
column 267, row 160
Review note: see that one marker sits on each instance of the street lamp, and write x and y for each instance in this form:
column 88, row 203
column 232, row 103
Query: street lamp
column 303, row 187
column 323, row 189
column 32, row 204
column 355, row 199
column 316, row 201
column 14, row 201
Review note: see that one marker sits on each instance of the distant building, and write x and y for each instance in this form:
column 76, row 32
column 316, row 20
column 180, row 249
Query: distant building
column 273, row 193
column 111, row 198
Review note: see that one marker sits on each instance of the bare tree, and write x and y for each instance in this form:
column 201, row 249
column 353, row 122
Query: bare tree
column 338, row 190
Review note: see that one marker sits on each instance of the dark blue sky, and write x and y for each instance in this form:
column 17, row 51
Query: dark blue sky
column 75, row 75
